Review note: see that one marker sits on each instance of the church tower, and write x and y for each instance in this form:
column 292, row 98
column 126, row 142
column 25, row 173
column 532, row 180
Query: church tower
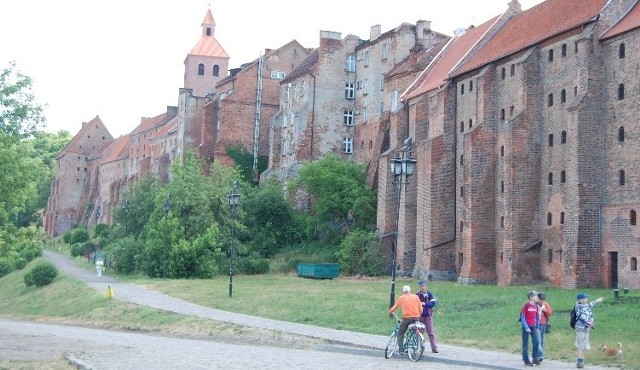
column 207, row 63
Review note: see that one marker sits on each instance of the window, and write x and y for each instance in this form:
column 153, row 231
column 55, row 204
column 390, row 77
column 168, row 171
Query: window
column 461, row 160
column 502, row 116
column 348, row 117
column 632, row 217
column 200, row 69
column 470, row 86
column 349, row 91
column 634, row 264
column 575, row 90
column 461, row 89
column 366, row 58
column 384, row 52
column 287, row 93
column 365, row 86
column 381, row 110
column 461, row 226
column 563, row 96
column 513, row 70
column 351, row 63
column 563, row 52
column 461, row 126
column 502, row 151
column 550, row 139
column 382, row 82
column 502, row 186
column 621, row 52
column 284, row 121
column 561, row 218
column 216, row 70
column 550, row 178
column 550, row 100
column 549, row 255
column 502, row 222
column 551, row 55
column 470, row 123
column 394, row 101
column 347, row 145
column 621, row 134
column 620, row 91
column 277, row 75
column 563, row 177
column 462, row 192
column 208, row 31
column 621, row 177
column 511, row 110
column 503, row 74
column 364, row 114
column 549, row 219
column 563, row 137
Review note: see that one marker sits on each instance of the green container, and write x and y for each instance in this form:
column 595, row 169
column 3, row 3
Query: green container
column 318, row 270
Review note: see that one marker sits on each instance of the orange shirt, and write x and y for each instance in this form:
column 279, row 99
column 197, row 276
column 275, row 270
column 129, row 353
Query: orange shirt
column 410, row 304
column 544, row 316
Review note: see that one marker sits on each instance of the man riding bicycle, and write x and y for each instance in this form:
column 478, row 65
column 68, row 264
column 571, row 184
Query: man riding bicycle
column 411, row 311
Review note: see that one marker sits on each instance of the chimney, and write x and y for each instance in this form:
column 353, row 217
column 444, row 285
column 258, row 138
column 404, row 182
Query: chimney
column 515, row 7
column 376, row 31
column 421, row 28
column 459, row 32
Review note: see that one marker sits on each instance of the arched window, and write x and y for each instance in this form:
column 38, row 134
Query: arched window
column 216, row 70
column 513, row 69
column 621, row 134
column 461, row 89
column 621, row 52
column 564, row 50
column 550, row 181
column 563, row 176
column 551, row 55
column 620, row 91
column 563, row 96
column 621, row 177
column 503, row 74
column 550, row 139
column 561, row 218
column 200, row 69
column 549, row 219
column 632, row 217
column 550, row 100
column 634, row 264
column 563, row 137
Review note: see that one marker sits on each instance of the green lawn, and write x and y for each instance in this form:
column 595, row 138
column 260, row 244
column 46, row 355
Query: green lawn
column 483, row 316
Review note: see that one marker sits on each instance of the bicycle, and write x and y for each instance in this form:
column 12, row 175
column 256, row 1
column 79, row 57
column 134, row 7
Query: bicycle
column 413, row 342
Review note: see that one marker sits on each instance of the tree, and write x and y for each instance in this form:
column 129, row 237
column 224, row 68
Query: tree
column 339, row 191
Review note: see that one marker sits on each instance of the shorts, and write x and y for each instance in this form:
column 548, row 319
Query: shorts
column 582, row 339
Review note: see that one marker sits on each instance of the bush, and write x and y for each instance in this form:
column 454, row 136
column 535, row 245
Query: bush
column 41, row 275
column 80, row 235
column 77, row 250
column 360, row 254
column 253, row 264
column 6, row 266
column 66, row 237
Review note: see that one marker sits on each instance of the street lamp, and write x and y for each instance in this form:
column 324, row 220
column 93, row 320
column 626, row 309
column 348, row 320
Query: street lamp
column 126, row 217
column 234, row 198
column 167, row 207
column 402, row 166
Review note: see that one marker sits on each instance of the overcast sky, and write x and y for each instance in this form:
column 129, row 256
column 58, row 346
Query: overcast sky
column 123, row 60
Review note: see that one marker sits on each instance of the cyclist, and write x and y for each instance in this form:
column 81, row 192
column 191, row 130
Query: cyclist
column 411, row 311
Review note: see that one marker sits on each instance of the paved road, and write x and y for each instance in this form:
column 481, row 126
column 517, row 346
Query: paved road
column 448, row 356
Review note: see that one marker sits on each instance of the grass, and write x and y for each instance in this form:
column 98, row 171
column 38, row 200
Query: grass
column 475, row 316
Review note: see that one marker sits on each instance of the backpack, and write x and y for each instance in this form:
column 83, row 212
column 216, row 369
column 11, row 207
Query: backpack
column 572, row 318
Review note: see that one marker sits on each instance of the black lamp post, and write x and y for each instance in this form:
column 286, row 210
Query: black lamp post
column 402, row 166
column 167, row 207
column 234, row 198
column 126, row 217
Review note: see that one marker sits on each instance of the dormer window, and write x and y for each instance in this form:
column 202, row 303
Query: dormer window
column 208, row 31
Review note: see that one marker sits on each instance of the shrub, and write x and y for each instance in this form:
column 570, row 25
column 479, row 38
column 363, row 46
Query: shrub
column 41, row 275
column 80, row 235
column 77, row 250
column 360, row 254
column 6, row 266
column 253, row 264
column 66, row 237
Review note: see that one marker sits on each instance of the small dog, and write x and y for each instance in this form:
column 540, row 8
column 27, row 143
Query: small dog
column 610, row 352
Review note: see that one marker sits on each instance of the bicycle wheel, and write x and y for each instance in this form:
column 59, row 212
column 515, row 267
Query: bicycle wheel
column 391, row 345
column 414, row 346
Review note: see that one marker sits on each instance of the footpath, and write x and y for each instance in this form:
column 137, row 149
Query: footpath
column 451, row 355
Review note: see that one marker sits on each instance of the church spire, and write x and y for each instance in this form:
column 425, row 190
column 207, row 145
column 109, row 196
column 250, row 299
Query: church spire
column 208, row 25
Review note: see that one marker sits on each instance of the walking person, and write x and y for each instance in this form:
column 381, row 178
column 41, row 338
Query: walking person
column 99, row 265
column 545, row 325
column 428, row 303
column 411, row 311
column 584, row 323
column 530, row 322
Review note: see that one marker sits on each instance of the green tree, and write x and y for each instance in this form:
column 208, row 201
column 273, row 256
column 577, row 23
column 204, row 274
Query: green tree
column 339, row 191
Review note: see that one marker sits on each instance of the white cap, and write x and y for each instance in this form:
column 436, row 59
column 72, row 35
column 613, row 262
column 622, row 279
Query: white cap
column 406, row 289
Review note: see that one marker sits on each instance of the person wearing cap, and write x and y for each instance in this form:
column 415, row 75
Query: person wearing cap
column 428, row 303
column 411, row 310
column 530, row 321
column 584, row 323
column 545, row 325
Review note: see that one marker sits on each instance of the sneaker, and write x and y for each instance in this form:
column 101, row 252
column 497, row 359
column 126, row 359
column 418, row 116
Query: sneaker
column 528, row 364
column 434, row 350
column 580, row 365
column 536, row 362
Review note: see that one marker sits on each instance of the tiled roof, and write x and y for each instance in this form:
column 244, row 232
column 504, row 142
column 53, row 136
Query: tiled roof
column 629, row 22
column 150, row 123
column 118, row 149
column 437, row 73
column 166, row 130
column 530, row 27
column 209, row 47
column 416, row 62
column 304, row 67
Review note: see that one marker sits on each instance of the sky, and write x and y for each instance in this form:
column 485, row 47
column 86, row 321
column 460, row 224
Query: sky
column 124, row 60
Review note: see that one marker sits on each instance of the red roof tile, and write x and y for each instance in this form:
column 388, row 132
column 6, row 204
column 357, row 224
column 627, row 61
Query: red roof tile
column 118, row 149
column 629, row 22
column 530, row 27
column 150, row 123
